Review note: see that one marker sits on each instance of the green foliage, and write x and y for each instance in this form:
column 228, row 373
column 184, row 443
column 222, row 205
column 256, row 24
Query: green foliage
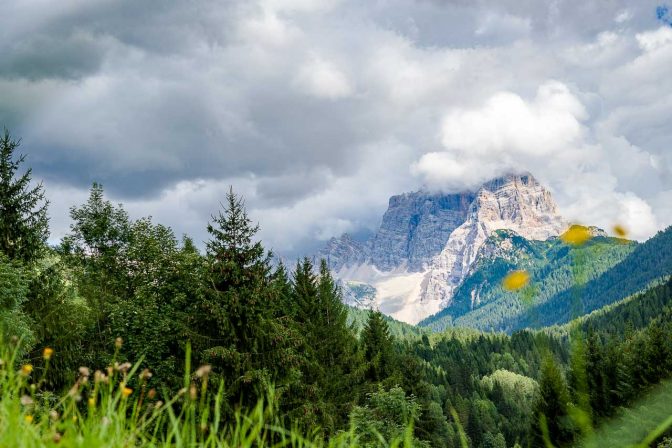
column 552, row 267
column 231, row 323
column 386, row 416
column 14, row 286
column 24, row 226
column 378, row 347
column 552, row 425
column 333, row 362
column 357, row 318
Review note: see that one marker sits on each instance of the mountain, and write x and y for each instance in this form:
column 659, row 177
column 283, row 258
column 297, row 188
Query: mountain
column 428, row 243
column 554, row 267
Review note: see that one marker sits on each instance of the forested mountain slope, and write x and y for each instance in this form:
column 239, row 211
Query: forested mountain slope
column 649, row 261
column 357, row 319
column 554, row 268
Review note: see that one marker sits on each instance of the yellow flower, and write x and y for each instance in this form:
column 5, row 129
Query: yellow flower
column 576, row 235
column 26, row 369
column 46, row 354
column 516, row 280
column 620, row 231
column 126, row 391
column 28, row 418
column 92, row 402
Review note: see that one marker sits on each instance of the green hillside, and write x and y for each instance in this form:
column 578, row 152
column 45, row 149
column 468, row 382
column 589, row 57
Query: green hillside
column 357, row 318
column 555, row 268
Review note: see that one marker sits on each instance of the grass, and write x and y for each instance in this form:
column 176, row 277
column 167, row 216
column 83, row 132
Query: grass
column 639, row 425
column 99, row 410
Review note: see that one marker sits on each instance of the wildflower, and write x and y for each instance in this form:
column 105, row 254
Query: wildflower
column 145, row 375
column 26, row 369
column 516, row 280
column 123, row 368
column 152, row 393
column 73, row 390
column 576, row 235
column 118, row 343
column 46, row 354
column 204, row 370
column 126, row 391
column 26, row 400
column 158, row 404
column 92, row 401
column 84, row 372
column 53, row 415
column 28, row 418
column 100, row 377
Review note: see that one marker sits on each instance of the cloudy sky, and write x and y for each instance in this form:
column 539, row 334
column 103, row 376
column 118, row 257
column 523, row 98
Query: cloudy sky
column 319, row 110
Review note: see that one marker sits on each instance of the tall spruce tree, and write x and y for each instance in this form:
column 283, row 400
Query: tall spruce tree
column 337, row 346
column 24, row 225
column 378, row 346
column 233, row 327
column 333, row 367
column 551, row 422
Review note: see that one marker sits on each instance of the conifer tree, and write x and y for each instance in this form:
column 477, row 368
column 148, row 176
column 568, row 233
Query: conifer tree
column 332, row 365
column 551, row 423
column 378, row 346
column 233, row 325
column 24, row 225
column 337, row 346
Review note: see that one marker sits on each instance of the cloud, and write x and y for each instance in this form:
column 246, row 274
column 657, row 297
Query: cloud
column 323, row 79
column 318, row 111
column 506, row 133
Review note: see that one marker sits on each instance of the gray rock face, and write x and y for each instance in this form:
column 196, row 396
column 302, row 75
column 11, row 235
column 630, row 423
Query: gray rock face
column 415, row 228
column 427, row 243
column 344, row 252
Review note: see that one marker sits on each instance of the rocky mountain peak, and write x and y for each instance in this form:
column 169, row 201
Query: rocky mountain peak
column 428, row 242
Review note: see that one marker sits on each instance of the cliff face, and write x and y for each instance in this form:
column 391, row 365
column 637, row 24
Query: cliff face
column 415, row 229
column 517, row 203
column 427, row 243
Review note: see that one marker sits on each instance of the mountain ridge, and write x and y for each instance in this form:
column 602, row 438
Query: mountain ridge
column 428, row 242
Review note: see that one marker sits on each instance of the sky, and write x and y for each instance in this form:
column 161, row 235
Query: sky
column 317, row 111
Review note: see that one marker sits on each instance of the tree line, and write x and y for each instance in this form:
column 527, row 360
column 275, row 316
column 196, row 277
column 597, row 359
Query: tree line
column 118, row 289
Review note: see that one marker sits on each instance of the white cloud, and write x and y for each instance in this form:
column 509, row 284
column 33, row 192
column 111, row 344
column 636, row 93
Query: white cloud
column 623, row 16
column 323, row 79
column 653, row 40
column 506, row 133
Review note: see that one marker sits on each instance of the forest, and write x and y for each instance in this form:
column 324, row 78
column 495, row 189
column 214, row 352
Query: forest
column 126, row 334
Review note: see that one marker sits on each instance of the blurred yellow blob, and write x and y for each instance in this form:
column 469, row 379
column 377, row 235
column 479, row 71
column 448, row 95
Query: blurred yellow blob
column 92, row 402
column 26, row 369
column 28, row 418
column 516, row 280
column 126, row 391
column 620, row 231
column 46, row 354
column 576, row 235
